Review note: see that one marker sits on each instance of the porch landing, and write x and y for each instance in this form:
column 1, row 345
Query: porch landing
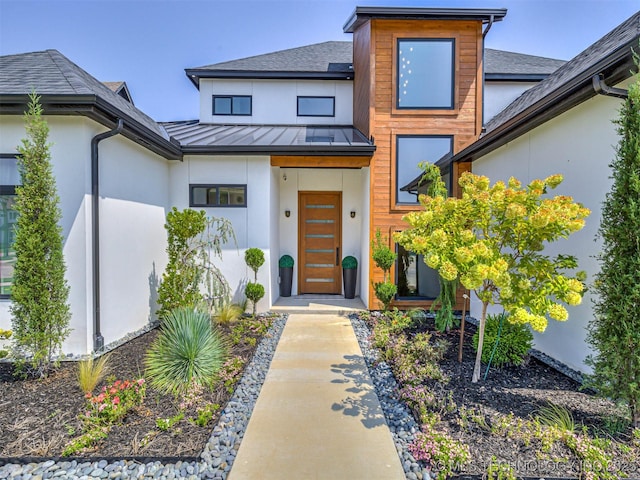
column 318, row 304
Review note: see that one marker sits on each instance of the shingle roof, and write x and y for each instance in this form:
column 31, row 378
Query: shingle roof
column 336, row 59
column 51, row 73
column 195, row 137
column 565, row 88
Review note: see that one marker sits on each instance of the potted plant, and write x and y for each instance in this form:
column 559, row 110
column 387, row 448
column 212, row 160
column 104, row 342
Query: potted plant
column 349, row 276
column 286, row 275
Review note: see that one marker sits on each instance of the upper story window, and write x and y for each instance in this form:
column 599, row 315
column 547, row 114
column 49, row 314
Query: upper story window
column 232, row 104
column 217, row 195
column 316, row 106
column 8, row 216
column 425, row 78
column 411, row 150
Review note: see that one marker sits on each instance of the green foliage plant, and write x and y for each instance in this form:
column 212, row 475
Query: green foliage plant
column 254, row 258
column 286, row 261
column 91, row 372
column 349, row 262
column 165, row 424
column 231, row 373
column 205, row 414
column 193, row 242
column 227, row 313
column 492, row 240
column 384, row 258
column 513, row 345
column 188, row 349
column 113, row 402
column 556, row 416
column 440, row 451
column 4, row 335
column 85, row 441
column 614, row 331
column 254, row 292
column 39, row 295
column 500, row 470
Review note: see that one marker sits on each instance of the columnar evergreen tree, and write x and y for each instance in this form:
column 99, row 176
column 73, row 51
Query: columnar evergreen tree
column 614, row 331
column 40, row 312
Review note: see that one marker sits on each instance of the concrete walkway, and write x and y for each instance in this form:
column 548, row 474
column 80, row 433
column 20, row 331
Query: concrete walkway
column 317, row 416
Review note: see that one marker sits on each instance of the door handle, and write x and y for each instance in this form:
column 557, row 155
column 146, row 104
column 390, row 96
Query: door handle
column 337, row 256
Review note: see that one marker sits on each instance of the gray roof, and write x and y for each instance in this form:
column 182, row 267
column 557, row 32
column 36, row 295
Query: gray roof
column 335, row 60
column 502, row 65
column 60, row 81
column 269, row 139
column 568, row 86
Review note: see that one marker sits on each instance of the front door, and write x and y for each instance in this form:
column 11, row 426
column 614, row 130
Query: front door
column 319, row 242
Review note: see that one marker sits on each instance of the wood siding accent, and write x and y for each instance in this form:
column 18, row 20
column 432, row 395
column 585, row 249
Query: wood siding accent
column 376, row 115
column 319, row 161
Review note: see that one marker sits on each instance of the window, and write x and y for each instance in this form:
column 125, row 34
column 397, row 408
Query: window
column 414, row 278
column 8, row 216
column 218, row 195
column 425, row 77
column 316, row 106
column 411, row 150
column 232, row 104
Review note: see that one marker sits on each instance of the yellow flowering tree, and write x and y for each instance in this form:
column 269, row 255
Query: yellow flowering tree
column 492, row 241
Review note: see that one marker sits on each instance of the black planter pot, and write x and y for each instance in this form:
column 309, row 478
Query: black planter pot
column 349, row 277
column 286, row 277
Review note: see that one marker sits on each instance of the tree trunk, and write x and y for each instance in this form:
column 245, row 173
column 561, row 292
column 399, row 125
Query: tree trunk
column 476, row 368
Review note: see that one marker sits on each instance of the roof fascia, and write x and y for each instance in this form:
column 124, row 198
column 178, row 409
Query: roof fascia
column 617, row 67
column 362, row 14
column 99, row 110
column 364, row 150
column 195, row 74
column 516, row 77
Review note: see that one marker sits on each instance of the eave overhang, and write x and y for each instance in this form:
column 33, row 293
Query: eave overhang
column 516, row 77
column 195, row 74
column 328, row 150
column 101, row 111
column 615, row 67
column 363, row 14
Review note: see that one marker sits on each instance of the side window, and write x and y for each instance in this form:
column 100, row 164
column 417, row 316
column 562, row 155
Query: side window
column 217, row 195
column 316, row 106
column 414, row 278
column 425, row 73
column 411, row 150
column 10, row 178
column 232, row 104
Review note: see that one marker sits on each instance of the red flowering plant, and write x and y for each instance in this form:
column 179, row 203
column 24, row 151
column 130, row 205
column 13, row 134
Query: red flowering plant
column 114, row 401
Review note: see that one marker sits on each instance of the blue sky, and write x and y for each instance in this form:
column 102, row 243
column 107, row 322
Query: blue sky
column 149, row 43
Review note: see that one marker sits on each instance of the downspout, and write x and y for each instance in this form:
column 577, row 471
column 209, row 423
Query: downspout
column 602, row 88
column 98, row 339
column 484, row 34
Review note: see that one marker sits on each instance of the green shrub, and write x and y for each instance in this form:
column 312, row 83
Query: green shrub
column 254, row 292
column 254, row 257
column 188, row 349
column 286, row 261
column 385, row 292
column 349, row 262
column 513, row 346
column 382, row 255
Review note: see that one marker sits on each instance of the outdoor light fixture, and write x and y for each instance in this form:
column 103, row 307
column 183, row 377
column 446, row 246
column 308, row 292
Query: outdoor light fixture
column 353, row 214
column 287, row 213
column 284, row 178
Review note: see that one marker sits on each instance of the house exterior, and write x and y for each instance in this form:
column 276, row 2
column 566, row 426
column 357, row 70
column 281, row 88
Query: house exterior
column 565, row 125
column 307, row 151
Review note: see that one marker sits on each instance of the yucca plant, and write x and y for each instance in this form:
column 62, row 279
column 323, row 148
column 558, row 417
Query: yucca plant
column 188, row 349
column 228, row 313
column 91, row 372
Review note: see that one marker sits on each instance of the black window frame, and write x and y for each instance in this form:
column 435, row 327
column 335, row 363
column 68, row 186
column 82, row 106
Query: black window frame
column 397, row 166
column 409, row 298
column 333, row 109
column 8, row 190
column 232, row 97
column 452, row 41
column 217, row 186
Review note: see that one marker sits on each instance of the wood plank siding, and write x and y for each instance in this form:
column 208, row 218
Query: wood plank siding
column 375, row 112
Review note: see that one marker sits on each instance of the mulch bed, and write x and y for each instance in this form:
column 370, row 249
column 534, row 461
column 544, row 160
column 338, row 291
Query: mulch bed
column 38, row 417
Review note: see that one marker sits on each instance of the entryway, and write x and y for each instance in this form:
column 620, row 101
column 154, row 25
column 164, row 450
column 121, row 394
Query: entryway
column 318, row 304
column 319, row 242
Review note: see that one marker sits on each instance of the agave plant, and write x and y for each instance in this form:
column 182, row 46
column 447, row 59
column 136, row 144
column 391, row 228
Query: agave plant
column 188, row 349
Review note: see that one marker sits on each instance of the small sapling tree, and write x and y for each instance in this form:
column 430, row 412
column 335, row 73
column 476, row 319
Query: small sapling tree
column 384, row 259
column 254, row 257
column 492, row 239
column 39, row 308
column 614, row 331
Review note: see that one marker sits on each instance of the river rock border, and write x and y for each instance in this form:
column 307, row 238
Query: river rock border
column 218, row 454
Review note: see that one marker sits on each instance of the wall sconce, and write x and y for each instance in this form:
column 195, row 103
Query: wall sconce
column 353, row 214
column 287, row 213
column 284, row 177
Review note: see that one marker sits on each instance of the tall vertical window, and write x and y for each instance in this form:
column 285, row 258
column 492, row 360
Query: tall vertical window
column 232, row 104
column 414, row 278
column 9, row 178
column 411, row 150
column 425, row 75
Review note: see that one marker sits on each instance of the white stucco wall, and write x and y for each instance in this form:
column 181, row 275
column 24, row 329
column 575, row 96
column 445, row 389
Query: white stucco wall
column 354, row 198
column 133, row 201
column 578, row 144
column 497, row 95
column 274, row 102
column 251, row 225
column 365, row 240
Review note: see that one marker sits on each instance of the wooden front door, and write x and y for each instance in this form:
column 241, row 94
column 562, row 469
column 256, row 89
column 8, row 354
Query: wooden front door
column 319, row 245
